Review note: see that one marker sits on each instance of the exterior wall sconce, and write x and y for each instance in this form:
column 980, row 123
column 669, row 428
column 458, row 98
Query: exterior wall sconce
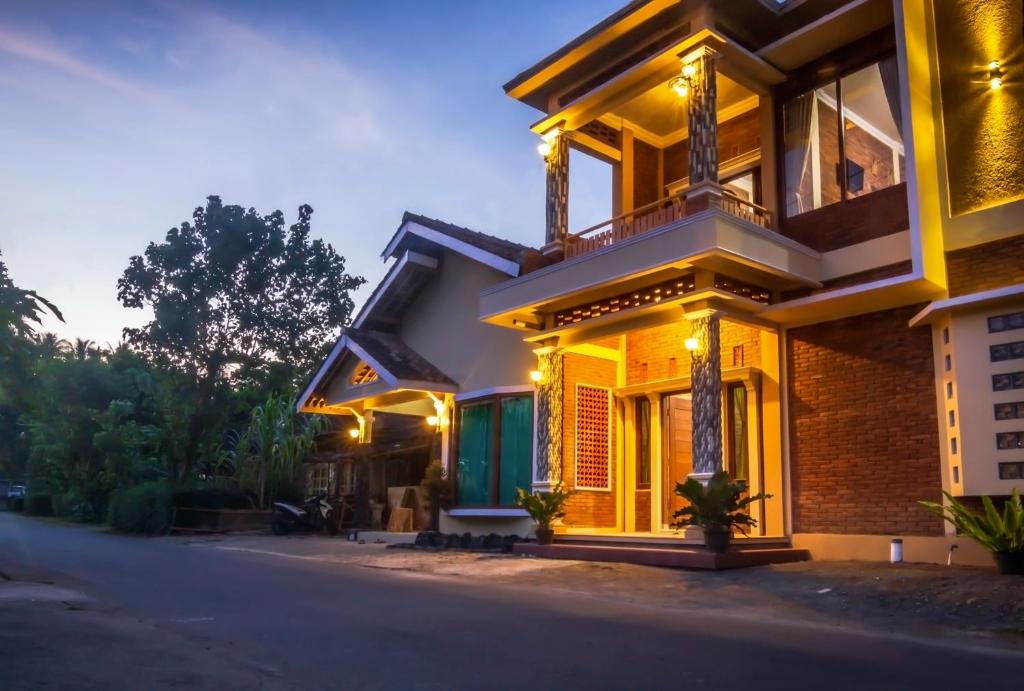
column 354, row 433
column 692, row 344
column 536, row 376
column 995, row 75
column 681, row 84
column 546, row 147
column 434, row 421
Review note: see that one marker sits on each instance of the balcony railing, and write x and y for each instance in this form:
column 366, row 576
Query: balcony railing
column 655, row 215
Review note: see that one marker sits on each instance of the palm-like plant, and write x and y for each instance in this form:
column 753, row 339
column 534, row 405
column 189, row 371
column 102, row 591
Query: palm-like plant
column 999, row 533
column 543, row 507
column 721, row 505
column 20, row 308
column 83, row 348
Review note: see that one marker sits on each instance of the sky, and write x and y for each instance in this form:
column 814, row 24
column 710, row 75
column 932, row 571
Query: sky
column 118, row 119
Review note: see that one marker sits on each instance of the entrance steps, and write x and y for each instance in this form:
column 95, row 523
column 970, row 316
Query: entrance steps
column 681, row 556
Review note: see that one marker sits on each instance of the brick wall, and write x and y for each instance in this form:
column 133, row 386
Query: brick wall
column 643, row 509
column 987, row 266
column 864, row 444
column 586, row 508
column 737, row 136
column 660, row 352
column 646, row 185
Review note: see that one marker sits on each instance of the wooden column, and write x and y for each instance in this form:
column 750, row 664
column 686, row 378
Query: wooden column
column 557, row 203
column 547, row 472
column 706, row 388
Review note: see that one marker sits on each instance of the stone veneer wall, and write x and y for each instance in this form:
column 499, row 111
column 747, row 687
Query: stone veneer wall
column 864, row 444
column 586, row 508
column 986, row 266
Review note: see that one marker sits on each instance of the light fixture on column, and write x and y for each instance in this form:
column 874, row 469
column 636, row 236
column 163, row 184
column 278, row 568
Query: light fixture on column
column 681, row 84
column 995, row 75
column 354, row 433
column 544, row 149
column 692, row 344
column 547, row 143
column 433, row 421
column 536, row 376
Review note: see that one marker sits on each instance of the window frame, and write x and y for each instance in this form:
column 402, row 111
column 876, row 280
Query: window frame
column 642, row 448
column 495, row 481
column 830, row 69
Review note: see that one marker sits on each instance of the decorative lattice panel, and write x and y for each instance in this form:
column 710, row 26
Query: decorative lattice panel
column 364, row 374
column 593, row 437
column 650, row 295
column 746, row 290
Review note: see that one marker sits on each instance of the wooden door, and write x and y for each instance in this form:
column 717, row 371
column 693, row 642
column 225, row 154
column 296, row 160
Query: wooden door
column 677, row 462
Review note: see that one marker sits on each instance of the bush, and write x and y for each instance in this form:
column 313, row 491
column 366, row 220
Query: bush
column 39, row 504
column 145, row 508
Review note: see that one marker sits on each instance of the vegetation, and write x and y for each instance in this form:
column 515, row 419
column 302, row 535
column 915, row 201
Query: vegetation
column 1000, row 533
column 719, row 506
column 438, row 491
column 243, row 309
column 543, row 507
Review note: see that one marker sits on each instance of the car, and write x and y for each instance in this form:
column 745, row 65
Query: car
column 16, row 492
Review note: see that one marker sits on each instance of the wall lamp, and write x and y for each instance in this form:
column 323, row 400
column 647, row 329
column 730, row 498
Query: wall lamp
column 536, row 376
column 692, row 344
column 354, row 433
column 995, row 75
column 681, row 84
column 546, row 145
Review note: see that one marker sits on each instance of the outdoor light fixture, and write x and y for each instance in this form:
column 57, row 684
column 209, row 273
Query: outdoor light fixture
column 681, row 84
column 432, row 420
column 692, row 344
column 354, row 433
column 544, row 149
column 535, row 376
column 995, row 75
column 689, row 70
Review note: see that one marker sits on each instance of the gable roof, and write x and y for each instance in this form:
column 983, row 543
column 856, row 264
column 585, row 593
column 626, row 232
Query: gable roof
column 394, row 361
column 417, row 231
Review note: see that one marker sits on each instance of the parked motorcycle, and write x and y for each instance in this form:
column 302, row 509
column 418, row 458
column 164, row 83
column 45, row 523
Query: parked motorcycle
column 313, row 515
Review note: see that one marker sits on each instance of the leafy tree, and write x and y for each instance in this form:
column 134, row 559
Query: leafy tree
column 20, row 308
column 234, row 295
column 83, row 348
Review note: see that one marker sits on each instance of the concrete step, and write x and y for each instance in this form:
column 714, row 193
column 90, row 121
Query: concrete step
column 678, row 558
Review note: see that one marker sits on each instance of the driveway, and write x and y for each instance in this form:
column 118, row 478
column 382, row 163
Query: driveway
column 303, row 613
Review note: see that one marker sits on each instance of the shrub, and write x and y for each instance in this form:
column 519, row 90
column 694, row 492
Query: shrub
column 39, row 504
column 1000, row 533
column 543, row 507
column 719, row 505
column 145, row 508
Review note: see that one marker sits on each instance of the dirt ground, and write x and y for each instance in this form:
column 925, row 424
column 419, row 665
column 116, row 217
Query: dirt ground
column 914, row 599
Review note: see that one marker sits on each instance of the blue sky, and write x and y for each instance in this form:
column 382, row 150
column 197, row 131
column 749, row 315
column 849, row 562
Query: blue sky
column 117, row 119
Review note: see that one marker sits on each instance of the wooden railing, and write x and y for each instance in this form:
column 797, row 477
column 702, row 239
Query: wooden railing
column 655, row 215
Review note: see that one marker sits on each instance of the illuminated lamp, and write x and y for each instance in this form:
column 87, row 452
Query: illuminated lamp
column 535, row 376
column 689, row 70
column 433, row 420
column 995, row 75
column 354, row 433
column 544, row 149
column 681, row 86
column 692, row 344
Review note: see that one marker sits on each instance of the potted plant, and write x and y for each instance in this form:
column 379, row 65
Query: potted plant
column 1001, row 534
column 716, row 508
column 544, row 508
column 438, row 491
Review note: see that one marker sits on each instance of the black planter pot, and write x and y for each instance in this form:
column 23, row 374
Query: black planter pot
column 717, row 539
column 545, row 536
column 1010, row 563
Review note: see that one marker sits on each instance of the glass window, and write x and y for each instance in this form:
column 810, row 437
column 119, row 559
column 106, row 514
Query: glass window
column 495, row 450
column 739, row 450
column 822, row 165
column 872, row 129
column 643, row 443
column 321, row 478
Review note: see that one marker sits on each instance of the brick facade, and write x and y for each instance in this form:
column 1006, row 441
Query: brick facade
column 987, row 266
column 586, row 508
column 660, row 352
column 864, row 444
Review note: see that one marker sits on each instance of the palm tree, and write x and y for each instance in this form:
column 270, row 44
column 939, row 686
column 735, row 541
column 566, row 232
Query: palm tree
column 83, row 348
column 52, row 345
column 20, row 308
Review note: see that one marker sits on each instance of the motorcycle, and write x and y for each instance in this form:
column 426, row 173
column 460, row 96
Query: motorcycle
column 313, row 515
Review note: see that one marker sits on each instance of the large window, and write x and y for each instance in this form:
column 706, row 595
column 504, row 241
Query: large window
column 494, row 450
column 843, row 139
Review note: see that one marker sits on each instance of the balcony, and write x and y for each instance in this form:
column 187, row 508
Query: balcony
column 655, row 215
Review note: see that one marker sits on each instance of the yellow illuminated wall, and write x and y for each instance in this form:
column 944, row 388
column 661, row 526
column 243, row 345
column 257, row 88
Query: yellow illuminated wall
column 983, row 127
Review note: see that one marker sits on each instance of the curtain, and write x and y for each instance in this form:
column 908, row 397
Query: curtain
column 890, row 73
column 476, row 435
column 516, row 452
column 796, row 119
column 741, row 465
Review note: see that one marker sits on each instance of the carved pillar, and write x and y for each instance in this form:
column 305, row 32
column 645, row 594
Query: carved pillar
column 548, row 470
column 702, row 116
column 706, row 386
column 557, row 164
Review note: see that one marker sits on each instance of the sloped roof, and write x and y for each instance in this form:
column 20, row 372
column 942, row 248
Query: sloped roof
column 506, row 249
column 392, row 354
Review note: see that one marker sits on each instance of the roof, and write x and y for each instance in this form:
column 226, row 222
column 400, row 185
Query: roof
column 390, row 353
column 498, row 247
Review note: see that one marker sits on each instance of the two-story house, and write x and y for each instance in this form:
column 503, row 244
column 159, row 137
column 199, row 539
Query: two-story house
column 811, row 276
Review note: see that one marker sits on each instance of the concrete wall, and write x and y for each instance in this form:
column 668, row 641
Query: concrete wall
column 442, row 326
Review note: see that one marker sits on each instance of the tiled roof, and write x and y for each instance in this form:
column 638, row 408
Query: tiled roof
column 506, row 249
column 397, row 358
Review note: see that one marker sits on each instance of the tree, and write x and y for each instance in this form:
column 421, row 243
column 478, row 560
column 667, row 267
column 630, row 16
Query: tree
column 84, row 348
column 20, row 309
column 233, row 295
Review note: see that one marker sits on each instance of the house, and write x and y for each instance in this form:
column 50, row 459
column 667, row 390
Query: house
column 811, row 275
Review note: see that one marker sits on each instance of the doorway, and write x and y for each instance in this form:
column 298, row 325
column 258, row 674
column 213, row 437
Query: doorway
column 677, row 450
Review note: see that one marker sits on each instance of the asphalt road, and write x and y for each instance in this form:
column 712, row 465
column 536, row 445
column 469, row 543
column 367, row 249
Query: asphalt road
column 305, row 624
